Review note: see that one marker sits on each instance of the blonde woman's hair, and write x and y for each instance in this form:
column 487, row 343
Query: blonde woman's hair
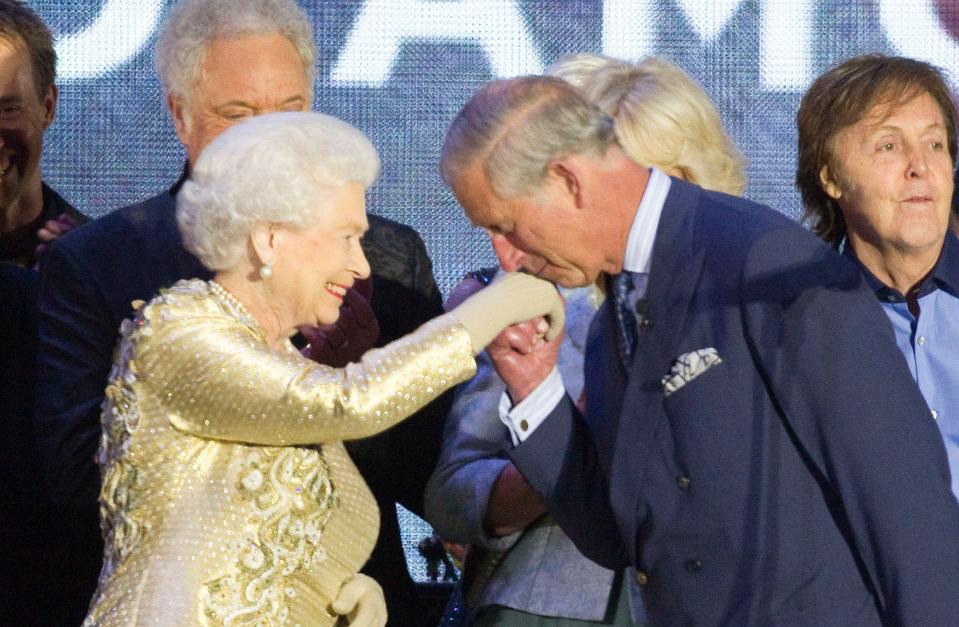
column 662, row 117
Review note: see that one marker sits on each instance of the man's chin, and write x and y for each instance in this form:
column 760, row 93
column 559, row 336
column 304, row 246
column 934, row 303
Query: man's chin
column 569, row 280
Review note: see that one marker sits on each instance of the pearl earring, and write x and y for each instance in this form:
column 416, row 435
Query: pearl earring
column 266, row 271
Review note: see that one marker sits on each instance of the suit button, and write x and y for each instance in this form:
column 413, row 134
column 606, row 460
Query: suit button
column 682, row 482
column 693, row 566
column 646, row 323
column 642, row 578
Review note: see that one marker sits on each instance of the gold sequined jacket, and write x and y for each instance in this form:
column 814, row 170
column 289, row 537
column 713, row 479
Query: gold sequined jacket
column 216, row 509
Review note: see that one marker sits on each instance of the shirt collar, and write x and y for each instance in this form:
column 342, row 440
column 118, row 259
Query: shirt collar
column 642, row 234
column 944, row 275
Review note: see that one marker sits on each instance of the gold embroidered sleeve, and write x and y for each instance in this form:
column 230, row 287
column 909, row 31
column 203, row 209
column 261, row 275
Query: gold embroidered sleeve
column 218, row 380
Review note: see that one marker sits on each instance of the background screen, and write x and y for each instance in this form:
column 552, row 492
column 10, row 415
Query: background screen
column 401, row 69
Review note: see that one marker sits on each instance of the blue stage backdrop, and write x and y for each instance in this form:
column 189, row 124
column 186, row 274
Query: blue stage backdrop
column 401, row 69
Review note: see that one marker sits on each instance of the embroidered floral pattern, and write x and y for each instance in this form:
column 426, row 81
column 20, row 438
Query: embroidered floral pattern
column 119, row 420
column 293, row 497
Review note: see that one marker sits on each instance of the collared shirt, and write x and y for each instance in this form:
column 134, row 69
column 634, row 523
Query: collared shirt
column 930, row 343
column 523, row 418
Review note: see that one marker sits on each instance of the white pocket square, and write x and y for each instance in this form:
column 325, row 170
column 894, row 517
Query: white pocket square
column 688, row 366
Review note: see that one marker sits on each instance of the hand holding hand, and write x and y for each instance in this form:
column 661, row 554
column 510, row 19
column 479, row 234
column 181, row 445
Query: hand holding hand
column 361, row 601
column 523, row 357
column 511, row 298
column 354, row 333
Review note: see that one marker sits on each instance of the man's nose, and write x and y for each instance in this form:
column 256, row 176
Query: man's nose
column 510, row 257
column 917, row 161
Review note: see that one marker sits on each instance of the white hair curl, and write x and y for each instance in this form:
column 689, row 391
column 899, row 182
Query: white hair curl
column 273, row 168
column 193, row 24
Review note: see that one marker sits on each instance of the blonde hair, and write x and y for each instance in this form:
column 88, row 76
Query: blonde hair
column 662, row 117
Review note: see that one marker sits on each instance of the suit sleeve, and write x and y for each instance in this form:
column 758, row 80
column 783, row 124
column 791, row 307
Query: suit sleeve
column 472, row 457
column 559, row 461
column 847, row 395
column 76, row 340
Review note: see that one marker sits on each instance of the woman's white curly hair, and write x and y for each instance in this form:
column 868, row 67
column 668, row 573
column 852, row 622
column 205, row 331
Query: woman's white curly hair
column 274, row 168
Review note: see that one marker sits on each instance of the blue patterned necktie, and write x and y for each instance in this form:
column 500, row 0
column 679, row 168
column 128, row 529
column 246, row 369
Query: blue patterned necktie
column 619, row 287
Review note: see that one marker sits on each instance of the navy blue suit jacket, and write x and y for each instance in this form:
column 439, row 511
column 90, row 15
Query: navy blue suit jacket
column 801, row 481
column 90, row 277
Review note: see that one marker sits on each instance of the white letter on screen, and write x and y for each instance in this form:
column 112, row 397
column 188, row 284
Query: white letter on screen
column 708, row 18
column 119, row 32
column 383, row 25
column 628, row 28
column 915, row 31
column 785, row 62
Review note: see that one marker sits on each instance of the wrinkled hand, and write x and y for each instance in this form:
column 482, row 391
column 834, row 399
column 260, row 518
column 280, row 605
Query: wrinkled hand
column 510, row 299
column 361, row 601
column 53, row 229
column 354, row 332
column 523, row 357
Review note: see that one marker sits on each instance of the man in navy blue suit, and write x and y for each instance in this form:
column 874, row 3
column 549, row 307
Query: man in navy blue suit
column 752, row 442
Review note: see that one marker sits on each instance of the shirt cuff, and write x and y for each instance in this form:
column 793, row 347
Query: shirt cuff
column 522, row 419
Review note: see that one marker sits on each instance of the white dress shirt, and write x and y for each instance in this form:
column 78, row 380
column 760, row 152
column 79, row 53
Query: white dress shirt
column 524, row 417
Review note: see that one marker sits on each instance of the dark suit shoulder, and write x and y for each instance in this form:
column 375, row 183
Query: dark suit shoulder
column 122, row 225
column 767, row 240
column 751, row 218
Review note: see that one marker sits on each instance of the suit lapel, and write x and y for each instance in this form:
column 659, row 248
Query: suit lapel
column 674, row 274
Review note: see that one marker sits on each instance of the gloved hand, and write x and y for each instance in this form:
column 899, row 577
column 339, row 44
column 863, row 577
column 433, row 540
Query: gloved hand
column 511, row 298
column 361, row 601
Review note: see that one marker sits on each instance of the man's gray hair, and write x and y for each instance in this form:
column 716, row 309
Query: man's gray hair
column 517, row 126
column 193, row 24
column 274, row 168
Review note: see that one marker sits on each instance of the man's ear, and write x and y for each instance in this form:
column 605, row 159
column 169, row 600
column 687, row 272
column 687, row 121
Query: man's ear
column 569, row 177
column 178, row 114
column 829, row 183
column 263, row 240
column 50, row 106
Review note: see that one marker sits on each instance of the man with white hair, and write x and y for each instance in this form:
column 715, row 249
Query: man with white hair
column 220, row 63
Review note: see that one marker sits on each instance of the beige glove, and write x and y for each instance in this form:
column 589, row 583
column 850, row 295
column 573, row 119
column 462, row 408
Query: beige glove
column 361, row 601
column 511, row 298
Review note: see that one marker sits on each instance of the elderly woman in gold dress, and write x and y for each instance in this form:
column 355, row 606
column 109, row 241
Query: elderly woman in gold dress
column 216, row 509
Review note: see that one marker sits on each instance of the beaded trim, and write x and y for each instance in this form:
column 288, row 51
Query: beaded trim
column 237, row 309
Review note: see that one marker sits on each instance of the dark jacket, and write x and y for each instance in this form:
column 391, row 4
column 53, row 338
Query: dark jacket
column 799, row 481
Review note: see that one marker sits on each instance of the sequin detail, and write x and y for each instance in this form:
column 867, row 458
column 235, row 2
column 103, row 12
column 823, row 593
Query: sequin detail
column 228, row 496
column 291, row 493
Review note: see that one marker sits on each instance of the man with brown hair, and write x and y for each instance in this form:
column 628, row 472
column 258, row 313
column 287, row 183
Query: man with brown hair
column 31, row 213
column 37, row 564
column 877, row 145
